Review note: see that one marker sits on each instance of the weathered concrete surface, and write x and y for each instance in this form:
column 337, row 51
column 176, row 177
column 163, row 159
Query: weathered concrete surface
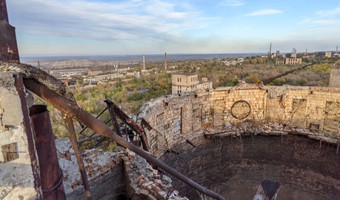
column 16, row 177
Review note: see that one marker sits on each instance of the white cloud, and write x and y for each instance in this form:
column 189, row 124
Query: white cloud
column 264, row 12
column 232, row 3
column 327, row 22
column 127, row 20
column 329, row 13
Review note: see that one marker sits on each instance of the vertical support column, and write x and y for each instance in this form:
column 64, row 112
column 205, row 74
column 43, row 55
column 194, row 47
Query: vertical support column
column 50, row 172
column 19, row 84
column 73, row 138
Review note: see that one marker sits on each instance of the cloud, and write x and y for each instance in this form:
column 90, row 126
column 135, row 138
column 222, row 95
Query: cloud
column 323, row 18
column 232, row 3
column 328, row 13
column 110, row 20
column 264, row 12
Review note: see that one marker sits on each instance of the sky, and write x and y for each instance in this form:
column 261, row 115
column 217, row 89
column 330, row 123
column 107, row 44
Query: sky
column 107, row 27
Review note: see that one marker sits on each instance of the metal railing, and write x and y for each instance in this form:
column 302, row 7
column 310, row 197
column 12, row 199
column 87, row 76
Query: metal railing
column 71, row 110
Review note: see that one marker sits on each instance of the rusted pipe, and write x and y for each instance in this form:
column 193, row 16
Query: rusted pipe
column 69, row 125
column 19, row 84
column 71, row 109
column 50, row 172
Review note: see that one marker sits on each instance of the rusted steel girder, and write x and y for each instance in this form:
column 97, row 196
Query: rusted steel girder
column 70, row 127
column 125, row 118
column 19, row 84
column 113, row 117
column 71, row 109
column 50, row 172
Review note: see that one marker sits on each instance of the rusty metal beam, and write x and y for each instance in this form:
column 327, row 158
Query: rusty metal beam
column 50, row 172
column 71, row 109
column 125, row 118
column 113, row 117
column 89, row 138
column 19, row 84
column 70, row 127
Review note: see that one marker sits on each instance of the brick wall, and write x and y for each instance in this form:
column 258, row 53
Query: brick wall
column 176, row 118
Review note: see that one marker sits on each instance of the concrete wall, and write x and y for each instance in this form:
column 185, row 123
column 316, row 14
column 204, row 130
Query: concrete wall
column 16, row 176
column 235, row 169
column 176, row 118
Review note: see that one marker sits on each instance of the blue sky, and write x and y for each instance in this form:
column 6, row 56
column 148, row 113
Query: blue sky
column 94, row 27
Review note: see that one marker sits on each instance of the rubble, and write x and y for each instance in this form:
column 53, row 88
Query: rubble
column 146, row 181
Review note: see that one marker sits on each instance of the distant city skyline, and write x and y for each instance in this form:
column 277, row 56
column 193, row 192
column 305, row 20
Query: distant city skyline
column 104, row 27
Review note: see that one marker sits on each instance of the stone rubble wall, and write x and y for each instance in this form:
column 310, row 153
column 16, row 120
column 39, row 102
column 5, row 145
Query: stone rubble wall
column 145, row 182
column 16, row 176
column 113, row 174
column 176, row 118
column 99, row 165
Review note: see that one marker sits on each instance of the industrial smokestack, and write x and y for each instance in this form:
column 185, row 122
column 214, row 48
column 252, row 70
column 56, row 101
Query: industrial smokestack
column 143, row 62
column 165, row 62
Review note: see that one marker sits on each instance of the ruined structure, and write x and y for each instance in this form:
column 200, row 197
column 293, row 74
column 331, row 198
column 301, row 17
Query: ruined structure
column 8, row 43
column 263, row 124
column 109, row 175
column 278, row 133
column 189, row 82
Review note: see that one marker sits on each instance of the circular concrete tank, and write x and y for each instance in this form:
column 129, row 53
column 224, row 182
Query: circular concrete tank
column 235, row 168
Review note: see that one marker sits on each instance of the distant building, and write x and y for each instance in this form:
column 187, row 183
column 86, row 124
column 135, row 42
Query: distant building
column 103, row 77
column 334, row 79
column 187, row 82
column 240, row 60
column 292, row 59
column 94, row 73
column 328, row 54
column 68, row 73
